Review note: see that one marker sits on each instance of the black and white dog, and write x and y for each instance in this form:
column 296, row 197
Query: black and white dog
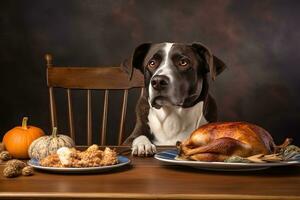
column 176, row 100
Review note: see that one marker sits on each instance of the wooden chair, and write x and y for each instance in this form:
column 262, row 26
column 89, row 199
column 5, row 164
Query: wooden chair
column 91, row 78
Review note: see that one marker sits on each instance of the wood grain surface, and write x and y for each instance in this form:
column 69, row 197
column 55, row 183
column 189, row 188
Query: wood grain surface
column 147, row 178
column 93, row 78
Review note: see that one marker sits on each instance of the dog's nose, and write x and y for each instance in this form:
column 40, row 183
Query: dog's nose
column 160, row 82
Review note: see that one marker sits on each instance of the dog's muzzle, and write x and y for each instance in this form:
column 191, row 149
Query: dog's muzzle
column 160, row 82
column 160, row 85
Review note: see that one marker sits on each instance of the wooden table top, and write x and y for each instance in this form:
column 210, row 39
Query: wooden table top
column 147, row 178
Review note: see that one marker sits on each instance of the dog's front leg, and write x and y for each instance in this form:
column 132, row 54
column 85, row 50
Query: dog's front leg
column 141, row 146
column 141, row 135
column 140, row 142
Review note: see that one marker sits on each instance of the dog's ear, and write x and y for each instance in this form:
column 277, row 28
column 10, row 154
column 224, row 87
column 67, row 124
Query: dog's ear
column 215, row 65
column 137, row 59
column 126, row 67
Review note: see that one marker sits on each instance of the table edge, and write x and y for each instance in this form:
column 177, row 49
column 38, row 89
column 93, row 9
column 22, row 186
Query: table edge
column 24, row 195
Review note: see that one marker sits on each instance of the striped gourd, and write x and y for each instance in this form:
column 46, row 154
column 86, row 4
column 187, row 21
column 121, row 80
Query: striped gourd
column 46, row 145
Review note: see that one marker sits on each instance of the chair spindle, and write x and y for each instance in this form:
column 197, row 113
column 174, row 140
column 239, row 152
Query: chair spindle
column 123, row 117
column 104, row 117
column 52, row 108
column 142, row 92
column 89, row 117
column 70, row 113
column 48, row 58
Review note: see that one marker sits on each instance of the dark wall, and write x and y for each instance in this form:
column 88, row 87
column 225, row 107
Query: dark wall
column 258, row 40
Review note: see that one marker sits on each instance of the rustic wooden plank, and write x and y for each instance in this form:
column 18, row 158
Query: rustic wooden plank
column 104, row 117
column 70, row 114
column 148, row 178
column 93, row 78
column 89, row 117
column 123, row 117
column 131, row 196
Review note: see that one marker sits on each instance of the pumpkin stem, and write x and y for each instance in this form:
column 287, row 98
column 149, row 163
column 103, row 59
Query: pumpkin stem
column 24, row 122
column 54, row 132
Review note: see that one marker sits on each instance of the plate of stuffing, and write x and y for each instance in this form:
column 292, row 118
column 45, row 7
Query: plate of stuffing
column 231, row 146
column 71, row 160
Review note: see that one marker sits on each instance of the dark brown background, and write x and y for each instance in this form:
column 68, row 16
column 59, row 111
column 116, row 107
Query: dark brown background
column 259, row 41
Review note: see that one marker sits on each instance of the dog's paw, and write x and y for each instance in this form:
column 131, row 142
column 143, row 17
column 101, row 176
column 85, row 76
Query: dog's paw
column 141, row 146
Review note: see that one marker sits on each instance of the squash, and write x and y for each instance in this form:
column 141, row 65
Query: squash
column 18, row 139
column 46, row 145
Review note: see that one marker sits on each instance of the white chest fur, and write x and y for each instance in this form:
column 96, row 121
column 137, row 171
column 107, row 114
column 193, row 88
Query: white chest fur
column 172, row 124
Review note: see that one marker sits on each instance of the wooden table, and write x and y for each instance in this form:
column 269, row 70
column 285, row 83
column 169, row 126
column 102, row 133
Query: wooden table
column 147, row 178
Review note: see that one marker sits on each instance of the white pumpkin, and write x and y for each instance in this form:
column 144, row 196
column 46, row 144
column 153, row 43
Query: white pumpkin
column 47, row 145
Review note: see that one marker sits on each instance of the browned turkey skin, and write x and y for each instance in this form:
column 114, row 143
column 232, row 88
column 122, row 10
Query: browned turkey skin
column 219, row 141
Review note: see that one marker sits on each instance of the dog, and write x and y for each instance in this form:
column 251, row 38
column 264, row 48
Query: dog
column 176, row 100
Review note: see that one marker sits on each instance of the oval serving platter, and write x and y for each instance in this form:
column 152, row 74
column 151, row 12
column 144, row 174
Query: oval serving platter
column 169, row 156
column 122, row 161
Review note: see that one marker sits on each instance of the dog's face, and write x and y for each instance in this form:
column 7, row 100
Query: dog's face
column 175, row 74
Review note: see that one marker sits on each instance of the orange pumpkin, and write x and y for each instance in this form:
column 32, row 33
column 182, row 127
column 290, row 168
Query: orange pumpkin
column 18, row 139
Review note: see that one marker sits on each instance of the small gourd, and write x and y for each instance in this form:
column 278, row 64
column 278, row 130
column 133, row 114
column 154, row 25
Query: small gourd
column 47, row 145
column 18, row 139
column 27, row 171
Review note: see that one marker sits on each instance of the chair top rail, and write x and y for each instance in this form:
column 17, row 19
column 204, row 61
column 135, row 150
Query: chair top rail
column 93, row 78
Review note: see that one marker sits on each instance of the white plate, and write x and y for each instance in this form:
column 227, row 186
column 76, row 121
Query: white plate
column 168, row 156
column 121, row 162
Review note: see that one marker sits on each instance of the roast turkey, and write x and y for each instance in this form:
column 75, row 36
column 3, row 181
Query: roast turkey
column 219, row 141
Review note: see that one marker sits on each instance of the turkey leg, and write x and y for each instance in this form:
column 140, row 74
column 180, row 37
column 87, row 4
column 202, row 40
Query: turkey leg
column 224, row 146
column 209, row 157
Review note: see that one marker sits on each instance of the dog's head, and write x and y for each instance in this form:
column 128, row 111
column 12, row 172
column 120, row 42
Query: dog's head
column 175, row 73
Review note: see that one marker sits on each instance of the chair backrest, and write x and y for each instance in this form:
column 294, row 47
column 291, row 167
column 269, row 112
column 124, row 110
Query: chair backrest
column 91, row 78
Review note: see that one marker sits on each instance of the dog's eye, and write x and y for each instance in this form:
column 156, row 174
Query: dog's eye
column 152, row 64
column 183, row 62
